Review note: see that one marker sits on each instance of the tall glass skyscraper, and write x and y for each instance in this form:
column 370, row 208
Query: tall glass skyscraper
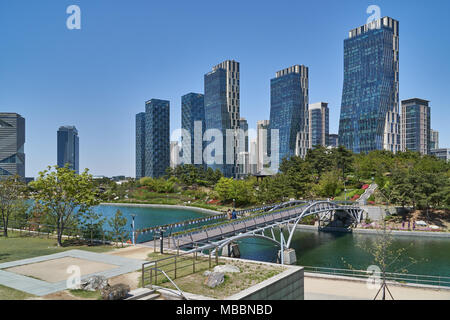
column 416, row 125
column 318, row 124
column 68, row 148
column 153, row 139
column 140, row 145
column 12, row 141
column 222, row 103
column 193, row 113
column 243, row 139
column 262, row 144
column 370, row 101
column 289, row 111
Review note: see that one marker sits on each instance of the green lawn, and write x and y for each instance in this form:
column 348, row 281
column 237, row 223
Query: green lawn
column 12, row 294
column 17, row 248
column 188, row 281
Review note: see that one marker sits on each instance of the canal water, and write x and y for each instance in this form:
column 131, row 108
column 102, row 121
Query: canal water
column 147, row 217
column 313, row 248
column 431, row 256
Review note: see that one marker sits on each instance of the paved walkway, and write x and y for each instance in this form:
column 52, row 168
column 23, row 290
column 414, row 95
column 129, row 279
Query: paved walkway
column 40, row 288
column 329, row 289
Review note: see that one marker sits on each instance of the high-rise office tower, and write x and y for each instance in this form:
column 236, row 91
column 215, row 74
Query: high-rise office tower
column 243, row 140
column 140, row 145
column 175, row 159
column 192, row 115
column 12, row 141
column 434, row 139
column 370, row 101
column 262, row 144
column 443, row 154
column 243, row 153
column 153, row 139
column 415, row 126
column 68, row 148
column 333, row 140
column 222, row 103
column 318, row 124
column 289, row 111
column 253, row 156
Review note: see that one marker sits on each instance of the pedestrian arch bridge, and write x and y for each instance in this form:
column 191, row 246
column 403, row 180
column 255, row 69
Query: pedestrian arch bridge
column 266, row 225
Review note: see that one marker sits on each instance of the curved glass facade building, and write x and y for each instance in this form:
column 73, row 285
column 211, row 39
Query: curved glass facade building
column 289, row 111
column 369, row 117
column 222, row 113
column 192, row 115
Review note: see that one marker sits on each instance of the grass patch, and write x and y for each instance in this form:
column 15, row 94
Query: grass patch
column 188, row 281
column 84, row 294
column 13, row 294
column 17, row 247
column 250, row 275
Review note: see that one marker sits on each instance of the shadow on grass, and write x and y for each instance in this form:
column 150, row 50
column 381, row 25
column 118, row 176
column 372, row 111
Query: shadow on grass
column 81, row 243
column 4, row 256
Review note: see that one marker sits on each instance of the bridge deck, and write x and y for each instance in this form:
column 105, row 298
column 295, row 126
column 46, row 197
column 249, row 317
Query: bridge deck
column 243, row 225
column 228, row 229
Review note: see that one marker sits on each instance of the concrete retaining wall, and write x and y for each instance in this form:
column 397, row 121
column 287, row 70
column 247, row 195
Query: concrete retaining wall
column 163, row 206
column 288, row 285
column 375, row 232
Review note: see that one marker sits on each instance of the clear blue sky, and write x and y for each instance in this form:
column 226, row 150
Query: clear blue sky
column 127, row 52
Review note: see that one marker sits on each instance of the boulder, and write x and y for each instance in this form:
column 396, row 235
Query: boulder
column 116, row 292
column 215, row 279
column 94, row 283
column 227, row 268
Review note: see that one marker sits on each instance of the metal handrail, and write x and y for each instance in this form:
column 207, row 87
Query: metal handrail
column 419, row 279
column 174, row 284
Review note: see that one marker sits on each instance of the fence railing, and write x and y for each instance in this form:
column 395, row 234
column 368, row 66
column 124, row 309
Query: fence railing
column 174, row 266
column 402, row 278
column 24, row 228
column 179, row 291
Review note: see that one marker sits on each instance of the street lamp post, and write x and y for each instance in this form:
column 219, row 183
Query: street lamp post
column 133, row 239
column 161, row 234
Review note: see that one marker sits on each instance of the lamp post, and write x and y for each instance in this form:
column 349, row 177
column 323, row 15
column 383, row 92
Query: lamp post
column 161, row 246
column 133, row 239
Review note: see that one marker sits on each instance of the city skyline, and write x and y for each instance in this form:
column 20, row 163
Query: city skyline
column 118, row 104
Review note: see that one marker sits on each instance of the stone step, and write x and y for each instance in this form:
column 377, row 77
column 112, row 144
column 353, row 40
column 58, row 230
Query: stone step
column 153, row 296
column 140, row 294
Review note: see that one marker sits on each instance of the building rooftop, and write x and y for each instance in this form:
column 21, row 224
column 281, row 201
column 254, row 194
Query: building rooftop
column 416, row 101
column 385, row 22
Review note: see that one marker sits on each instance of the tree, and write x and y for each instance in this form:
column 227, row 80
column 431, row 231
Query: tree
column 117, row 224
column 386, row 258
column 92, row 224
column 320, row 158
column 64, row 195
column 329, row 184
column 343, row 160
column 11, row 193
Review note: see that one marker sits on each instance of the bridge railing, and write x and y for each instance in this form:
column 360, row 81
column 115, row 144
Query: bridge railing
column 405, row 278
column 218, row 225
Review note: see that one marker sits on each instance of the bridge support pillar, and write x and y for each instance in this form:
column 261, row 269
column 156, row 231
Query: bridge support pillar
column 231, row 250
column 289, row 256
